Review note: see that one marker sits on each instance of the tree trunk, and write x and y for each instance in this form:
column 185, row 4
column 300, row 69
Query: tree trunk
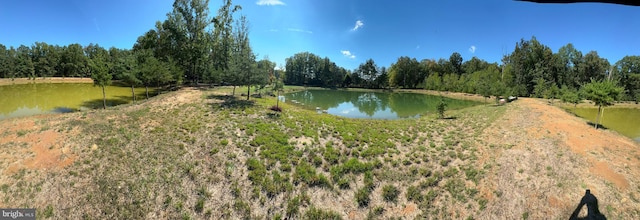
column 234, row 91
column 104, row 98
column 248, row 92
column 133, row 95
column 146, row 90
column 278, row 99
column 598, row 117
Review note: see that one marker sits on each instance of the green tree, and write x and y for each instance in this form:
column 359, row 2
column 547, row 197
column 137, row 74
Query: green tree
column 593, row 67
column 570, row 95
column 369, row 72
column 128, row 69
column 441, row 108
column 188, row 23
column 603, row 93
column 243, row 68
column 627, row 72
column 455, row 60
column 406, row 72
column 264, row 72
column 434, row 82
column 278, row 86
column 73, row 61
column 101, row 77
column 24, row 64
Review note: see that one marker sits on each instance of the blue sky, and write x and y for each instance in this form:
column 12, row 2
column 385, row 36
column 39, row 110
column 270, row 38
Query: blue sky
column 346, row 31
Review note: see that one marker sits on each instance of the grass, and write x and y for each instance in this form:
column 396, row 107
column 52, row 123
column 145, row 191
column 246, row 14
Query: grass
column 221, row 156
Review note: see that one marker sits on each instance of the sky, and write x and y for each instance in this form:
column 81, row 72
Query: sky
column 347, row 31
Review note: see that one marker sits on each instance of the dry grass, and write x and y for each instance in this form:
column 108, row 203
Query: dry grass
column 200, row 153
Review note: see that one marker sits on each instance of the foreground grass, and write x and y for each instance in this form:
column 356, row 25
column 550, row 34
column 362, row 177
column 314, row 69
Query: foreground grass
column 222, row 157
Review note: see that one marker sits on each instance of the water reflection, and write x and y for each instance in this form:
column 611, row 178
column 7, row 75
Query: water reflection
column 375, row 105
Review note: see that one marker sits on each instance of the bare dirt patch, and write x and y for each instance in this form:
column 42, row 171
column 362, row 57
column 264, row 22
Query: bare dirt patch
column 27, row 148
column 543, row 159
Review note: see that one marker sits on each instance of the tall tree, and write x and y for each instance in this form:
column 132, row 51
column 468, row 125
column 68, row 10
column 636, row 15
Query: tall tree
column 567, row 62
column 368, row 71
column 627, row 71
column 405, row 72
column 100, row 75
column 603, row 93
column 243, row 59
column 24, row 64
column 593, row 67
column 455, row 60
column 73, row 62
column 189, row 20
column 222, row 37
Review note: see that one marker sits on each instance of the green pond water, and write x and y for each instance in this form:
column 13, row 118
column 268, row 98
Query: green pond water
column 32, row 99
column 625, row 121
column 372, row 105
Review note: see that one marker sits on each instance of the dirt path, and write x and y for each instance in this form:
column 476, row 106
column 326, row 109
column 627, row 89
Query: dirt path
column 542, row 159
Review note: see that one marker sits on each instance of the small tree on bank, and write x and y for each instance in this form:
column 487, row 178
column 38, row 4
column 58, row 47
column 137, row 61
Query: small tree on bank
column 603, row 94
column 101, row 77
column 441, row 107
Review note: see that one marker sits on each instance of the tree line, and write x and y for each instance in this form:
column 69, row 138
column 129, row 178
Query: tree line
column 189, row 46
column 531, row 70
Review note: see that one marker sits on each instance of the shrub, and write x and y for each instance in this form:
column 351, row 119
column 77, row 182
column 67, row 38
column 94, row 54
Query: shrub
column 390, row 193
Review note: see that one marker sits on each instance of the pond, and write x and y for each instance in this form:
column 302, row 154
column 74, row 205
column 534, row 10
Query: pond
column 42, row 98
column 625, row 121
column 372, row 105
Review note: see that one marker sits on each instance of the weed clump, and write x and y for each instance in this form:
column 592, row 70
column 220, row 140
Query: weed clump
column 390, row 193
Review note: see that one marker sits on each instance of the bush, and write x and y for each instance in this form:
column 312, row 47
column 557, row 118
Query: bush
column 390, row 193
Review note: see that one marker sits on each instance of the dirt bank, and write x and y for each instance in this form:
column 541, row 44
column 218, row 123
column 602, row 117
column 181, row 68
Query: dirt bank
column 544, row 158
column 45, row 80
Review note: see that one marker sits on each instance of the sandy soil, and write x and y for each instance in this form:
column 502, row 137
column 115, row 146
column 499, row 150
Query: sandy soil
column 543, row 159
column 45, row 80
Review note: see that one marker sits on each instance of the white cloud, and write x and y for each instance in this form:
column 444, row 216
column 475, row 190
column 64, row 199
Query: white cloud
column 300, row 30
column 348, row 54
column 270, row 2
column 359, row 24
column 472, row 49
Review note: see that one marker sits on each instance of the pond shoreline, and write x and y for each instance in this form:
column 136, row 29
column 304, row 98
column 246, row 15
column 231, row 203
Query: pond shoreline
column 17, row 81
